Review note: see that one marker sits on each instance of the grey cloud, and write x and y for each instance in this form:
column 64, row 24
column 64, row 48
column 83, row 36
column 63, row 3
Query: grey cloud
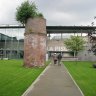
column 8, row 9
column 57, row 12
column 79, row 11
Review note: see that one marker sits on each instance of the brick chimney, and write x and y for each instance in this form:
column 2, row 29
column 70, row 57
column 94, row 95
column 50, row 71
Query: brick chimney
column 35, row 42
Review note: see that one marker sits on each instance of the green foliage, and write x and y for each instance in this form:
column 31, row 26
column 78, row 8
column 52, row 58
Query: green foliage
column 84, row 75
column 75, row 43
column 93, row 49
column 40, row 15
column 27, row 10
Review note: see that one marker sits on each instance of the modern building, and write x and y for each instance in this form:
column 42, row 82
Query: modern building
column 12, row 39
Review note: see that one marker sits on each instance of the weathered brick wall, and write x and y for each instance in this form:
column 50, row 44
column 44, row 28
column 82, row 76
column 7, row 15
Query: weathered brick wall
column 38, row 25
column 35, row 42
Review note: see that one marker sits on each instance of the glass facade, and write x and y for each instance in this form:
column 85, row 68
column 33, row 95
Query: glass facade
column 11, row 43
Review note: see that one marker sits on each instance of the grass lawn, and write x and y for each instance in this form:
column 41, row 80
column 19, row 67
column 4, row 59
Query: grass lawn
column 85, row 76
column 15, row 79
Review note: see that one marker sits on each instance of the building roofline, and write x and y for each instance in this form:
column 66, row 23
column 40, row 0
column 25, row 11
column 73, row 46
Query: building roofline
column 59, row 29
column 20, row 26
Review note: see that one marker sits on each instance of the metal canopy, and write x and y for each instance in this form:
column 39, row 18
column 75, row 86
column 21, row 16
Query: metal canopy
column 61, row 29
column 70, row 29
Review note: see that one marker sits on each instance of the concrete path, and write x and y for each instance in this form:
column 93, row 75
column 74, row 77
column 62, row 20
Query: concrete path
column 55, row 81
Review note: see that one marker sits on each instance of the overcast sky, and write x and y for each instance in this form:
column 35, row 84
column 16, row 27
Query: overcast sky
column 56, row 12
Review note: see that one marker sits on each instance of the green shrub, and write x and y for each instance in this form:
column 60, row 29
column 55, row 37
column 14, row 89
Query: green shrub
column 27, row 10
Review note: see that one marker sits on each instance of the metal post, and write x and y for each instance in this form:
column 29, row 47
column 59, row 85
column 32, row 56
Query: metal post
column 61, row 36
column 18, row 45
column 5, row 45
column 81, row 32
column 11, row 44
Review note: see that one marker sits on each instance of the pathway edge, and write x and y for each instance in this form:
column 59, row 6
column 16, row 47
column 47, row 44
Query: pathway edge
column 37, row 79
column 74, row 81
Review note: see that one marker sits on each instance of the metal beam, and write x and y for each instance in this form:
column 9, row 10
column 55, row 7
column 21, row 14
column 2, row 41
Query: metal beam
column 61, row 29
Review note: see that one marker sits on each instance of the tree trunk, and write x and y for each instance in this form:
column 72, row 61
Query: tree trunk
column 74, row 54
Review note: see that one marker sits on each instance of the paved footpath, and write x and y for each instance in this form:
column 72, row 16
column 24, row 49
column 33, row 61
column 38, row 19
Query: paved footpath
column 55, row 81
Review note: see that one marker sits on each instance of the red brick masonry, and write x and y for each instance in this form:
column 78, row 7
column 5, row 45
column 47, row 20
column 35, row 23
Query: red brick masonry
column 35, row 42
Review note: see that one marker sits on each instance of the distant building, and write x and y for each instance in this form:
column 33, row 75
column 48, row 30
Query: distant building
column 12, row 41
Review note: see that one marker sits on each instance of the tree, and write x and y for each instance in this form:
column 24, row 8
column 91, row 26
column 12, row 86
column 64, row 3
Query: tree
column 27, row 10
column 75, row 44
